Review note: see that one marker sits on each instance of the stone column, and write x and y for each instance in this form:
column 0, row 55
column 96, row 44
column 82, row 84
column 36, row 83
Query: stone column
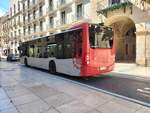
column 119, row 45
column 147, row 48
column 142, row 45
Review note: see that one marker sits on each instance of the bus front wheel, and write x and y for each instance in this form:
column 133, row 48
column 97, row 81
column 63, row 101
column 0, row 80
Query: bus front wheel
column 52, row 67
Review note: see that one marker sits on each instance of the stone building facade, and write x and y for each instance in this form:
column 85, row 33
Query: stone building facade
column 35, row 18
column 131, row 22
column 15, row 20
column 4, row 35
column 130, row 19
column 44, row 17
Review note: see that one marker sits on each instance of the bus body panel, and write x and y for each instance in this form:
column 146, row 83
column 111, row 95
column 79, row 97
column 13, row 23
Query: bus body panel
column 63, row 65
column 92, row 62
column 66, row 66
column 98, row 60
column 101, row 57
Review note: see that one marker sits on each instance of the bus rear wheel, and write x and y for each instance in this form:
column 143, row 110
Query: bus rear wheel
column 52, row 67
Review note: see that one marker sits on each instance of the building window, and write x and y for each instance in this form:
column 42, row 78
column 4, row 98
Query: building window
column 51, row 22
column 18, row 6
column 34, row 14
column 62, row 2
column 10, row 11
column 19, row 31
column 11, row 43
column 115, row 1
column 24, row 19
column 29, row 17
column 29, row 29
column 63, row 17
column 14, row 9
column 34, row 27
column 15, row 21
column 28, row 2
column 33, row 1
column 24, row 31
column 40, row 10
column 23, row 7
column 50, row 5
column 15, row 45
column 41, row 25
column 18, row 19
column 79, row 11
column 15, row 34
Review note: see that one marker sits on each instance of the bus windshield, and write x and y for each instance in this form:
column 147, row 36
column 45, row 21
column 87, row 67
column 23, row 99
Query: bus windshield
column 100, row 36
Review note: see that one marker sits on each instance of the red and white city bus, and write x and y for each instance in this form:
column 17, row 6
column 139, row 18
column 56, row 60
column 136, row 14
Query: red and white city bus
column 84, row 50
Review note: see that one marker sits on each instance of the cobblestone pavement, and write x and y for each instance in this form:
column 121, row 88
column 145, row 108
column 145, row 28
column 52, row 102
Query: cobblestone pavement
column 27, row 90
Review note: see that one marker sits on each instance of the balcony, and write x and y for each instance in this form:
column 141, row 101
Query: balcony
column 142, row 4
column 51, row 30
column 25, row 22
column 64, row 26
column 78, row 1
column 40, row 17
column 31, row 7
column 63, row 4
column 40, row 13
column 41, row 1
column 15, row 25
column 103, row 8
column 50, row 8
column 19, row 23
column 79, row 18
column 52, row 12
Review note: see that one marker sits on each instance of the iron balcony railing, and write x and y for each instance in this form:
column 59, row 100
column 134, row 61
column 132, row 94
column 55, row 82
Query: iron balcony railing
column 102, row 7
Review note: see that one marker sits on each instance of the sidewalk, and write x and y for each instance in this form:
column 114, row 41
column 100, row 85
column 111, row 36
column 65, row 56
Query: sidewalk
column 132, row 69
column 26, row 90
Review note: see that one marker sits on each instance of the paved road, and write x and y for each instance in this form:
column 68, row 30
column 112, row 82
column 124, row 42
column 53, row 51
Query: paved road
column 22, row 89
column 134, row 88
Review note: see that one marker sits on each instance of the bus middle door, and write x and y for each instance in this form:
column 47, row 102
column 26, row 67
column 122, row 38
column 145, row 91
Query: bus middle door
column 77, row 49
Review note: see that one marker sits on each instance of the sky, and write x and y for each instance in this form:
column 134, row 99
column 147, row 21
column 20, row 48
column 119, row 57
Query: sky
column 4, row 4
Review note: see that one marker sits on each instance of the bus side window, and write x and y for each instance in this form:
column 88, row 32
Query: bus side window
column 45, row 53
column 31, row 51
column 77, row 43
column 68, row 45
column 60, row 46
column 39, row 52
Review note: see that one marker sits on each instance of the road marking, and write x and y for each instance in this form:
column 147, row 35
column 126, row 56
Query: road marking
column 143, row 91
column 141, row 78
column 134, row 77
column 145, row 95
column 147, row 88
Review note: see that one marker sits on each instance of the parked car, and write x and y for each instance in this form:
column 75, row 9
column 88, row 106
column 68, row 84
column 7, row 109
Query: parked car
column 13, row 57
